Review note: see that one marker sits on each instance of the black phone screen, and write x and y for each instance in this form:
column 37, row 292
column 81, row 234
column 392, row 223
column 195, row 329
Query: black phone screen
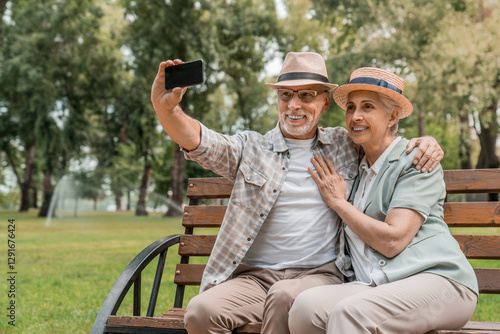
column 185, row 74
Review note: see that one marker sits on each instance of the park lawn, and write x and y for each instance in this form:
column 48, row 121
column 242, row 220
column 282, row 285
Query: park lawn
column 65, row 271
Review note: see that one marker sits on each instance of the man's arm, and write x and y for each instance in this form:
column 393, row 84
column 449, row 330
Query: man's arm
column 429, row 153
column 183, row 129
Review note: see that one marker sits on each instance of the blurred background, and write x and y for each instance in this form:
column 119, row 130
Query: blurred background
column 76, row 119
column 82, row 155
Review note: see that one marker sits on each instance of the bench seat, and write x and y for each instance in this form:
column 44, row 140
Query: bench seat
column 174, row 319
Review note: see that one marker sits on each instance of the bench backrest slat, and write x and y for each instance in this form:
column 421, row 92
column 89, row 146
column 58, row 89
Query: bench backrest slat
column 472, row 214
column 196, row 245
column 203, row 215
column 188, row 274
column 488, row 280
column 209, row 187
column 485, row 247
column 468, row 214
column 472, row 181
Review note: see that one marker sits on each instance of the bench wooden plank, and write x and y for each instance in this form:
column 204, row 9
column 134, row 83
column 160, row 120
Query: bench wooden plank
column 174, row 318
column 472, row 214
column 209, row 187
column 196, row 245
column 472, row 181
column 473, row 327
column 188, row 274
column 486, row 247
column 488, row 280
column 203, row 215
column 456, row 214
column 176, row 322
column 457, row 182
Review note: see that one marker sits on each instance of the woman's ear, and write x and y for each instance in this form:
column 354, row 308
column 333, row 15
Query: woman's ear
column 394, row 116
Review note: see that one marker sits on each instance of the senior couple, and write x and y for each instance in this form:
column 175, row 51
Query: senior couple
column 327, row 230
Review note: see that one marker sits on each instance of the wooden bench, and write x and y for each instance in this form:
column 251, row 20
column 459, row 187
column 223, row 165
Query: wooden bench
column 479, row 215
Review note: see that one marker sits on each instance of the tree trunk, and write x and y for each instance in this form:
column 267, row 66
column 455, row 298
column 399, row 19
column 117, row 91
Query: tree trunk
column 118, row 200
column 28, row 175
column 34, row 203
column 141, row 203
column 128, row 200
column 175, row 205
column 464, row 148
column 488, row 140
column 48, row 191
column 75, row 212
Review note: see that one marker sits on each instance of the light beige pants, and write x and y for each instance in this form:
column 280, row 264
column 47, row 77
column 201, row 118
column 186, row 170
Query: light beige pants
column 416, row 304
column 253, row 295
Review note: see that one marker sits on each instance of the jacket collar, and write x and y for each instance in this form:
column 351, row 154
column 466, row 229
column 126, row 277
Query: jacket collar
column 394, row 155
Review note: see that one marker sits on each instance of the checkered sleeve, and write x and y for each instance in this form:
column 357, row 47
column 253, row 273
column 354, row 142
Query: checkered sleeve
column 218, row 153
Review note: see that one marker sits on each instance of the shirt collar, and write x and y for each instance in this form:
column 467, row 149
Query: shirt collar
column 375, row 168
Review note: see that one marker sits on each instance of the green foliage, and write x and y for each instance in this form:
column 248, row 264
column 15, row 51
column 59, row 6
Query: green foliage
column 56, row 69
column 445, row 52
column 75, row 76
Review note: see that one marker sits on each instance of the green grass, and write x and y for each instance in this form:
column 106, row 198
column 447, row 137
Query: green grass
column 65, row 271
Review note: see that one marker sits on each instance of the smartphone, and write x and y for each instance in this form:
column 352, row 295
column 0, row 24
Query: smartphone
column 185, row 74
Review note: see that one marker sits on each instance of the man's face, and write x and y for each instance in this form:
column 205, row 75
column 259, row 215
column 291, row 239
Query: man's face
column 299, row 117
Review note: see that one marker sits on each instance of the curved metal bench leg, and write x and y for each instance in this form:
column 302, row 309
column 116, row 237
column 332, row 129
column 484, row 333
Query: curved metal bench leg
column 131, row 275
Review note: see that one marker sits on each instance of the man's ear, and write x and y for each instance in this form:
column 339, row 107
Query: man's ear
column 327, row 103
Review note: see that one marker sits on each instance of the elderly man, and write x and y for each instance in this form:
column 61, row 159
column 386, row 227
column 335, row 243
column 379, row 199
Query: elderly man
column 278, row 237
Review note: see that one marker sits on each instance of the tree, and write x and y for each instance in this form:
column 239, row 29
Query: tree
column 55, row 70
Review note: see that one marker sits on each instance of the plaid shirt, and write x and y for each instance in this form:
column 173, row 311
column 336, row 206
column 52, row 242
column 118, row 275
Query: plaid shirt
column 257, row 165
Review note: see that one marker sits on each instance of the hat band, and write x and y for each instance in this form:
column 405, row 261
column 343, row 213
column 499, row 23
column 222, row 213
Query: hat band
column 302, row 76
column 375, row 82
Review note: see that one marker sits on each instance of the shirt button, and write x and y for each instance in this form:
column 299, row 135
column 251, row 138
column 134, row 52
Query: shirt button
column 283, row 168
column 262, row 215
column 381, row 263
column 275, row 190
column 234, row 262
column 248, row 178
column 249, row 239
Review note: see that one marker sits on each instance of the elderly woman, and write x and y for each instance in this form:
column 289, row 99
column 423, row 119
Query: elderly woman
column 410, row 275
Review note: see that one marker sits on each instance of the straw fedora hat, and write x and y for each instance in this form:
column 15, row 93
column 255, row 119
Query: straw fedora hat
column 303, row 68
column 375, row 80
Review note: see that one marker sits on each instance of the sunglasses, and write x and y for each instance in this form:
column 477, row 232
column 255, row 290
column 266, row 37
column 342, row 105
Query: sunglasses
column 305, row 95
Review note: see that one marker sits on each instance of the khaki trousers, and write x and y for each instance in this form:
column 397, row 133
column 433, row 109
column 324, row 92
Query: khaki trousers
column 416, row 304
column 254, row 294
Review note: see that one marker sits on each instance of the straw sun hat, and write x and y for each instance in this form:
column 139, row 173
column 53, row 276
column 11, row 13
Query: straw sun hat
column 303, row 68
column 375, row 80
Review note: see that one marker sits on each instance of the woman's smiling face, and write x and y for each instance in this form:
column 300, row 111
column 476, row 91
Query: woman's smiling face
column 367, row 120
